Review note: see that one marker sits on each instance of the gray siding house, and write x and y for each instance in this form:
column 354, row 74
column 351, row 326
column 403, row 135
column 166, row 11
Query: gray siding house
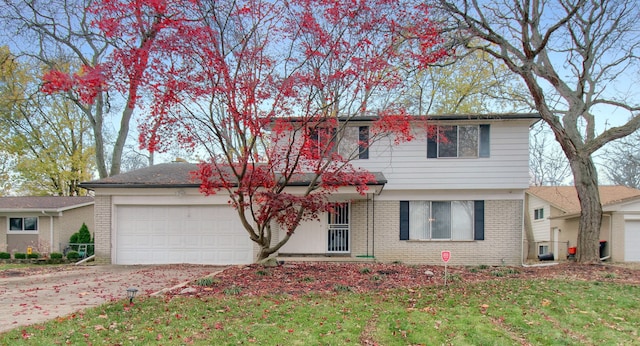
column 464, row 195
column 43, row 223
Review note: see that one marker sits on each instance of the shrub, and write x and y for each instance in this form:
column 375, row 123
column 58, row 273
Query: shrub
column 73, row 255
column 206, row 281
column 365, row 270
column 55, row 255
column 20, row 255
column 33, row 255
column 233, row 290
column 83, row 236
column 341, row 288
column 74, row 239
column 5, row 255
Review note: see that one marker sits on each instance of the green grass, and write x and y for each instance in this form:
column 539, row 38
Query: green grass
column 504, row 311
column 7, row 266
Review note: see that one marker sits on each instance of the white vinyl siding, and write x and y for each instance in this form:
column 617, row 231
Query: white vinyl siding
column 541, row 227
column 406, row 167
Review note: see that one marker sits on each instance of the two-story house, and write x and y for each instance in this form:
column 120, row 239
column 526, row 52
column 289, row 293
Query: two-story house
column 464, row 194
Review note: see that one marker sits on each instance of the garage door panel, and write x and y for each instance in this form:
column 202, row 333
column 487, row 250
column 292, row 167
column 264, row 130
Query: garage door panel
column 632, row 241
column 180, row 234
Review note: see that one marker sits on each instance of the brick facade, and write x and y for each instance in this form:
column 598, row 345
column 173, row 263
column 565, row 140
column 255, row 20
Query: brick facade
column 502, row 243
column 103, row 219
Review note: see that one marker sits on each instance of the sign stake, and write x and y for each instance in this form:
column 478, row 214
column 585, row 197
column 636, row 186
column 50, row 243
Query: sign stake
column 446, row 256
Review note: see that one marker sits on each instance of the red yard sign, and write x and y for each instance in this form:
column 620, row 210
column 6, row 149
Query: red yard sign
column 446, row 255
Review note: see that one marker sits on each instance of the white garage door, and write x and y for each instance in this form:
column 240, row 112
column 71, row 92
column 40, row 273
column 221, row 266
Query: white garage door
column 180, row 234
column 632, row 241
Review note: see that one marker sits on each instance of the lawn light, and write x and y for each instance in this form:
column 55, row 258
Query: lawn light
column 131, row 293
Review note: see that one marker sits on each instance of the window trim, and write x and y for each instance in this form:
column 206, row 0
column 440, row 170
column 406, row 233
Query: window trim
column 478, row 223
column 484, row 143
column 23, row 231
column 538, row 214
column 363, row 142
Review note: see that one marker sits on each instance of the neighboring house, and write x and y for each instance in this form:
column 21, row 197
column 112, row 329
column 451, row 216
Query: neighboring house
column 464, row 195
column 555, row 214
column 43, row 223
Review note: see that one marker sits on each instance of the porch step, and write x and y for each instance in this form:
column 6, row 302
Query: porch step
column 320, row 258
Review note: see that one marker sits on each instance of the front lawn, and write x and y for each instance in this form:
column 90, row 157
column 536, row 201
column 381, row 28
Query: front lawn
column 516, row 309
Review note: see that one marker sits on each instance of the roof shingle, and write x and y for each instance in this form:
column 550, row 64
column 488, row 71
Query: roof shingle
column 566, row 197
column 40, row 203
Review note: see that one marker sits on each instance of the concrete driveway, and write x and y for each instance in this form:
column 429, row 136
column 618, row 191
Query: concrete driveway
column 29, row 299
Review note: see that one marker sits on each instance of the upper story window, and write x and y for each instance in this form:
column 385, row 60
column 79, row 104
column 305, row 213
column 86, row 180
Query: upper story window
column 353, row 144
column 463, row 141
column 23, row 224
column 538, row 214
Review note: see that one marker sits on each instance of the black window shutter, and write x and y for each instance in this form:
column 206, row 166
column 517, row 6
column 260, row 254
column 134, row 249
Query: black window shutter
column 478, row 221
column 484, row 140
column 432, row 148
column 404, row 220
column 363, row 139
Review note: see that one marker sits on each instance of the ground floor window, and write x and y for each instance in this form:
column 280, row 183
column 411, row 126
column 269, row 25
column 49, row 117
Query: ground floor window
column 442, row 220
column 543, row 249
column 23, row 224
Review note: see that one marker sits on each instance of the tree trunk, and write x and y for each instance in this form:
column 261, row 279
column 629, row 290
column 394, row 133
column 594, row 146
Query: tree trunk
column 586, row 183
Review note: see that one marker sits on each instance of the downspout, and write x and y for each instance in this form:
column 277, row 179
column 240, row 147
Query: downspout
column 524, row 198
column 373, row 226
column 367, row 226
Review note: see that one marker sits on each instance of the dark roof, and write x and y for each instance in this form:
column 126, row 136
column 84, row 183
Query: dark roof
column 173, row 174
column 42, row 203
column 440, row 117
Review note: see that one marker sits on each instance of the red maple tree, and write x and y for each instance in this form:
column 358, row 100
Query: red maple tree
column 268, row 89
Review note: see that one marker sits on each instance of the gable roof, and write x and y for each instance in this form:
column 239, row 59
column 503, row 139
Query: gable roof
column 43, row 203
column 565, row 198
column 174, row 174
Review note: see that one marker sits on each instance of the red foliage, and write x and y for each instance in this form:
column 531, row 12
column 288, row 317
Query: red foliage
column 223, row 75
column 322, row 277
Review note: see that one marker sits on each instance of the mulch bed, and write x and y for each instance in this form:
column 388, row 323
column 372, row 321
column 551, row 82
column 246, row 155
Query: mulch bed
column 324, row 277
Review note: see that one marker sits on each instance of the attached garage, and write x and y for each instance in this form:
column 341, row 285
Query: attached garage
column 632, row 241
column 167, row 234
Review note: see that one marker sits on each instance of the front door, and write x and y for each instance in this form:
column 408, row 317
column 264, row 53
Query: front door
column 338, row 237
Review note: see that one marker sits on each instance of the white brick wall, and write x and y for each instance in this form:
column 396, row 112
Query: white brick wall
column 503, row 238
column 102, row 210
